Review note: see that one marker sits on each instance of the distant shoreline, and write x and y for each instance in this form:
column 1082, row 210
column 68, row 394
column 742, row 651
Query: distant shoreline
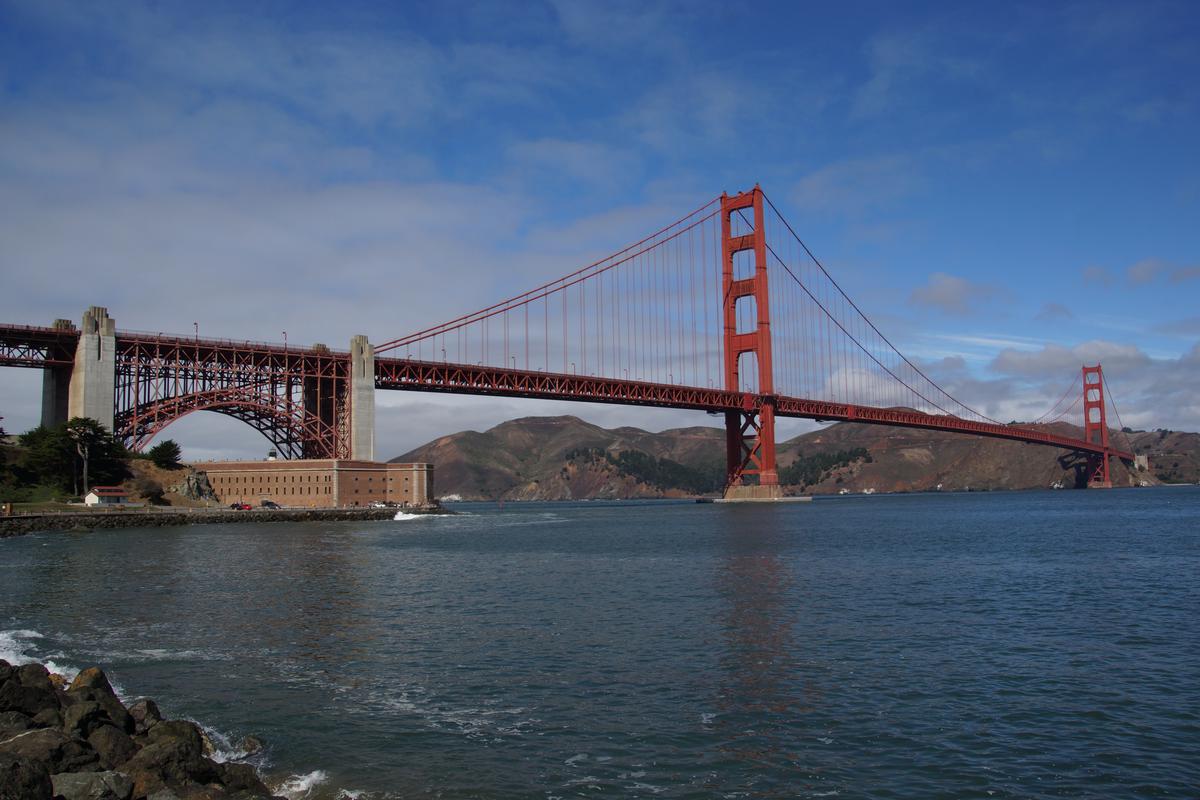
column 84, row 521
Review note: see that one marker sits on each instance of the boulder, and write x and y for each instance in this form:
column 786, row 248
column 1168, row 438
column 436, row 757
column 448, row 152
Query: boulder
column 112, row 745
column 163, row 794
column 172, row 758
column 243, row 778
column 12, row 723
column 91, row 678
column 92, row 684
column 35, row 676
column 48, row 718
column 145, row 715
column 24, row 779
column 29, row 700
column 178, row 729
column 92, row 786
column 59, row 752
column 251, row 745
column 6, row 670
column 84, row 717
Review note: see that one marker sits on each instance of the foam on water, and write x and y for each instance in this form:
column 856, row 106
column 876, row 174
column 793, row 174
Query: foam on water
column 299, row 787
column 17, row 648
column 404, row 515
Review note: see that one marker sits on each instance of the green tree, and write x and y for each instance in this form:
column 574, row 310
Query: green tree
column 48, row 457
column 165, row 454
column 73, row 455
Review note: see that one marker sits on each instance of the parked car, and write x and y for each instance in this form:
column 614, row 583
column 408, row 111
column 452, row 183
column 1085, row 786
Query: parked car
column 269, row 504
column 240, row 506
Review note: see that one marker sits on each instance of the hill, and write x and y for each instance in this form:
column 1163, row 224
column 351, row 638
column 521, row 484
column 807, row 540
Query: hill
column 559, row 458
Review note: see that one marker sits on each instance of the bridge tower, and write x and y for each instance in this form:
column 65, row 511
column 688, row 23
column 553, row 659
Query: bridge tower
column 1095, row 426
column 749, row 431
column 56, row 380
column 93, row 380
column 362, row 399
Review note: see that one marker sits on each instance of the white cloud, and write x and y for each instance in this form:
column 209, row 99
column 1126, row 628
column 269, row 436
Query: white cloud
column 952, row 294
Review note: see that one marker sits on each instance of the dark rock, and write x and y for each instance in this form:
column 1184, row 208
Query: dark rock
column 29, row 700
column 163, row 794
column 48, row 718
column 92, row 684
column 145, row 715
column 24, row 779
column 59, row 752
column 92, row 786
column 172, row 758
column 251, row 745
column 112, row 745
column 84, row 717
column 35, row 676
column 181, row 729
column 243, row 778
column 91, row 678
column 12, row 723
column 6, row 670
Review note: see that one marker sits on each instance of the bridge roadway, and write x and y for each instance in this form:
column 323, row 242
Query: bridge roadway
column 44, row 347
column 406, row 374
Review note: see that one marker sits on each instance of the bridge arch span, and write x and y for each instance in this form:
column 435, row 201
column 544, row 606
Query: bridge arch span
column 294, row 432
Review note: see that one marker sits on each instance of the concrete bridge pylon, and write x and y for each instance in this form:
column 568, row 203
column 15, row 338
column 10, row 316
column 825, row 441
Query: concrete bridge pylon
column 93, row 379
column 362, row 399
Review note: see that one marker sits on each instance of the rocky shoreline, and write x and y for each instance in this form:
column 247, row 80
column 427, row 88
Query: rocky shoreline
column 80, row 742
column 85, row 521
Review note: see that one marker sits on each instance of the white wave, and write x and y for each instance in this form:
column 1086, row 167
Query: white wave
column 17, row 649
column 299, row 787
column 224, row 750
column 403, row 515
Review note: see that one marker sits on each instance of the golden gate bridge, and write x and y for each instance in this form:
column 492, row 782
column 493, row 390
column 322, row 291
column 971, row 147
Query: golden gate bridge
column 725, row 310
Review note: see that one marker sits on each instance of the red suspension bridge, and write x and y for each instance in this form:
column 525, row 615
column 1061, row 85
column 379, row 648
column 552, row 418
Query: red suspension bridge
column 725, row 311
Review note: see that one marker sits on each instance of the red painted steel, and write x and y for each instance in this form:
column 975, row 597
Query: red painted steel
column 162, row 378
column 31, row 346
column 298, row 398
column 434, row 376
column 649, row 325
column 1095, row 425
column 750, row 432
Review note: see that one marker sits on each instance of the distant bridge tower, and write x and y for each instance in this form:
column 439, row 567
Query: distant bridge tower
column 1095, row 426
column 749, row 431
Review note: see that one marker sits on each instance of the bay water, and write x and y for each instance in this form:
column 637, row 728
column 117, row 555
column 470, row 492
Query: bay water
column 1042, row 644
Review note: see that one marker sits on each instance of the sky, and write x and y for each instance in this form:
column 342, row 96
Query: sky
column 1009, row 190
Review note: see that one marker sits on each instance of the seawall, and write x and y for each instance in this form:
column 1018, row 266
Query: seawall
column 84, row 521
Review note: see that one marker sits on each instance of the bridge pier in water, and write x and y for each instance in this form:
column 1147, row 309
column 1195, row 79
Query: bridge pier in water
column 1095, row 427
column 750, row 431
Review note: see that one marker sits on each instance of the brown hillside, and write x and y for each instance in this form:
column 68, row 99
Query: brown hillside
column 543, row 458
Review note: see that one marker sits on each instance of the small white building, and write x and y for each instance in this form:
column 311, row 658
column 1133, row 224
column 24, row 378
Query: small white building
column 106, row 496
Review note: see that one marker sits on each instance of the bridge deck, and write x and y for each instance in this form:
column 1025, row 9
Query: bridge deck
column 429, row 376
column 39, row 347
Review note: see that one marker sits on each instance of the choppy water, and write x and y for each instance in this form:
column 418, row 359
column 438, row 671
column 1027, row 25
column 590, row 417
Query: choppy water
column 1005, row 645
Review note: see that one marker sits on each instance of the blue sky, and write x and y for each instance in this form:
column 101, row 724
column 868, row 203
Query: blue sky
column 1008, row 190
